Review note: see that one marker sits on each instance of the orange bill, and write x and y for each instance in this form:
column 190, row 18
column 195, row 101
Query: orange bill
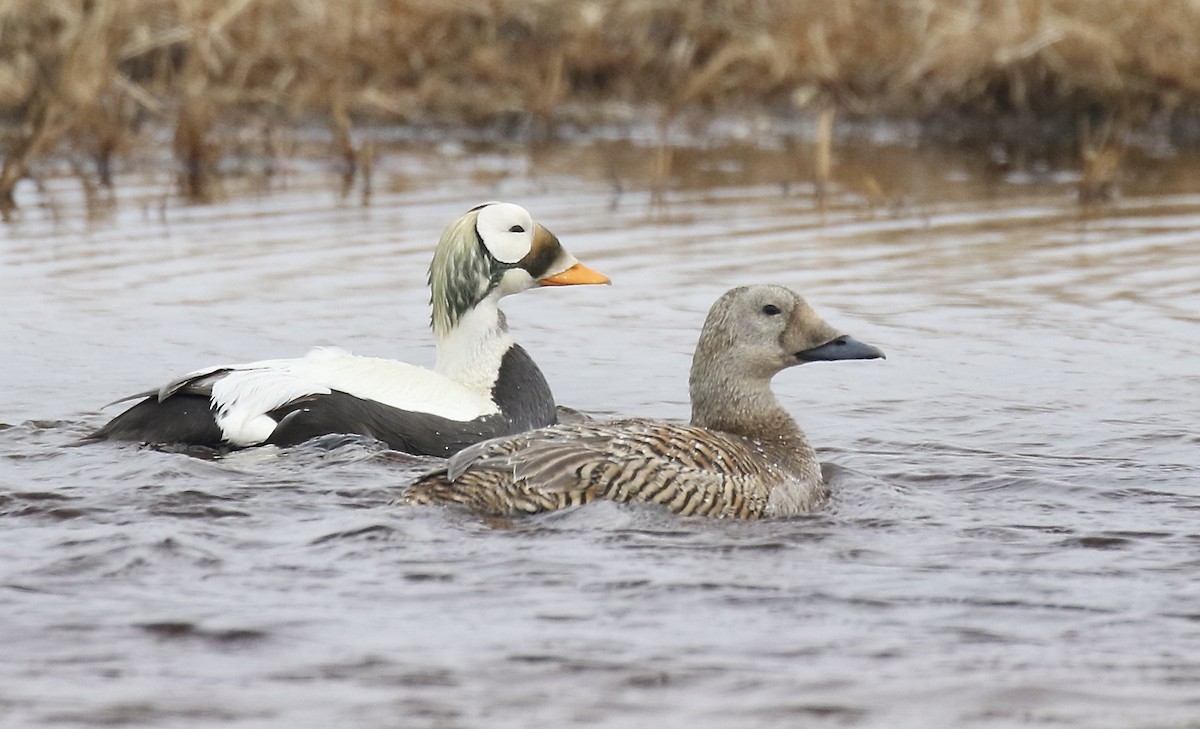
column 575, row 275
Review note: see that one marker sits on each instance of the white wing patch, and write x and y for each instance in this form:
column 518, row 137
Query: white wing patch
column 246, row 392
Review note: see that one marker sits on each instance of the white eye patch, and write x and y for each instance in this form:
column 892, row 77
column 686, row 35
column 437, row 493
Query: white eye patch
column 506, row 230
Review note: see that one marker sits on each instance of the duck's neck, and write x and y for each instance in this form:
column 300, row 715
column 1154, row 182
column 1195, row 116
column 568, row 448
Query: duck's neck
column 470, row 352
column 748, row 408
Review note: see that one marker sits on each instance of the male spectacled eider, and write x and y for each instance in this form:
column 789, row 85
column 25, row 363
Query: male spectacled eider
column 483, row 384
column 742, row 455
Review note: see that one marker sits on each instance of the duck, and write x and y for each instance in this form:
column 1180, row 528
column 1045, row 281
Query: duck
column 483, row 383
column 742, row 454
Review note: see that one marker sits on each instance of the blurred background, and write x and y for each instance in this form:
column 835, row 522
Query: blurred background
column 235, row 86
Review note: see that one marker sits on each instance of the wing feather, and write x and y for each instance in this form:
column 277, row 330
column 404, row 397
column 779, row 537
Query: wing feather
column 688, row 469
column 243, row 395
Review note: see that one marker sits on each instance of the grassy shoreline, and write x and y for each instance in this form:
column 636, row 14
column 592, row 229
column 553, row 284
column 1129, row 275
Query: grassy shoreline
column 87, row 78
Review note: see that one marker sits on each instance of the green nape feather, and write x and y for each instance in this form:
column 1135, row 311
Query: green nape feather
column 460, row 275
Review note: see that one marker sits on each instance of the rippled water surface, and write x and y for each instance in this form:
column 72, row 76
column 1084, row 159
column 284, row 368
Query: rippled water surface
column 1014, row 538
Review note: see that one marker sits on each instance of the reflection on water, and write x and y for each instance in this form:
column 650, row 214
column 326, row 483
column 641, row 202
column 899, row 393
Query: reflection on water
column 1012, row 539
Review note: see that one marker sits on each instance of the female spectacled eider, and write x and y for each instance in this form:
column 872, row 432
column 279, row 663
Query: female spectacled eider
column 742, row 455
column 482, row 386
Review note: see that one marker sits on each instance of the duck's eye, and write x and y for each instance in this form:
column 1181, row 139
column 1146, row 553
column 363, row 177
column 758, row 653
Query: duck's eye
column 516, row 229
column 770, row 310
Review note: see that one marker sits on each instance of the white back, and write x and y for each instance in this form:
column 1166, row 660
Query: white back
column 248, row 391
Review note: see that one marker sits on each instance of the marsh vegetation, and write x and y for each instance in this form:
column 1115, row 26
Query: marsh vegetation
column 103, row 82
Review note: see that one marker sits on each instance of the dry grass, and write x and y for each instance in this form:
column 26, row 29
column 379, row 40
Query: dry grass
column 84, row 76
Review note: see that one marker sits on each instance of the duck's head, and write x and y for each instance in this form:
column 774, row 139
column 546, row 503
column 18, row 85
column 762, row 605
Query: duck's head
column 756, row 331
column 493, row 250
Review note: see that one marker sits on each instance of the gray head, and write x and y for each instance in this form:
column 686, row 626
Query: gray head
column 496, row 249
column 751, row 334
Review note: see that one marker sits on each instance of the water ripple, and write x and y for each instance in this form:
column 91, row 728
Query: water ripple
column 1011, row 540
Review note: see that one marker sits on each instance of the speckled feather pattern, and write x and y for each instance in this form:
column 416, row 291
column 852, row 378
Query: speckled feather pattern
column 688, row 470
column 459, row 277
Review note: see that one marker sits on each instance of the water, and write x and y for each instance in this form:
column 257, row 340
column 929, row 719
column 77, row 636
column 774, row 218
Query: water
column 1013, row 539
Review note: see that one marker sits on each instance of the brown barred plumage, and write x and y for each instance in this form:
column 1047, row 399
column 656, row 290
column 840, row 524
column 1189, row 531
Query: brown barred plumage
column 689, row 470
column 742, row 457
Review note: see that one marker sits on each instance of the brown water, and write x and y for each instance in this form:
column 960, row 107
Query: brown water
column 1014, row 538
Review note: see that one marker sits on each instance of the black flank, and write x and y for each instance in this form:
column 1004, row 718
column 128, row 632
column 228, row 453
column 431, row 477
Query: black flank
column 521, row 393
column 181, row 418
column 403, row 430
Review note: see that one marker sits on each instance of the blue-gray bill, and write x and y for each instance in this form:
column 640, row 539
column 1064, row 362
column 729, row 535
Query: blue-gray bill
column 844, row 347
